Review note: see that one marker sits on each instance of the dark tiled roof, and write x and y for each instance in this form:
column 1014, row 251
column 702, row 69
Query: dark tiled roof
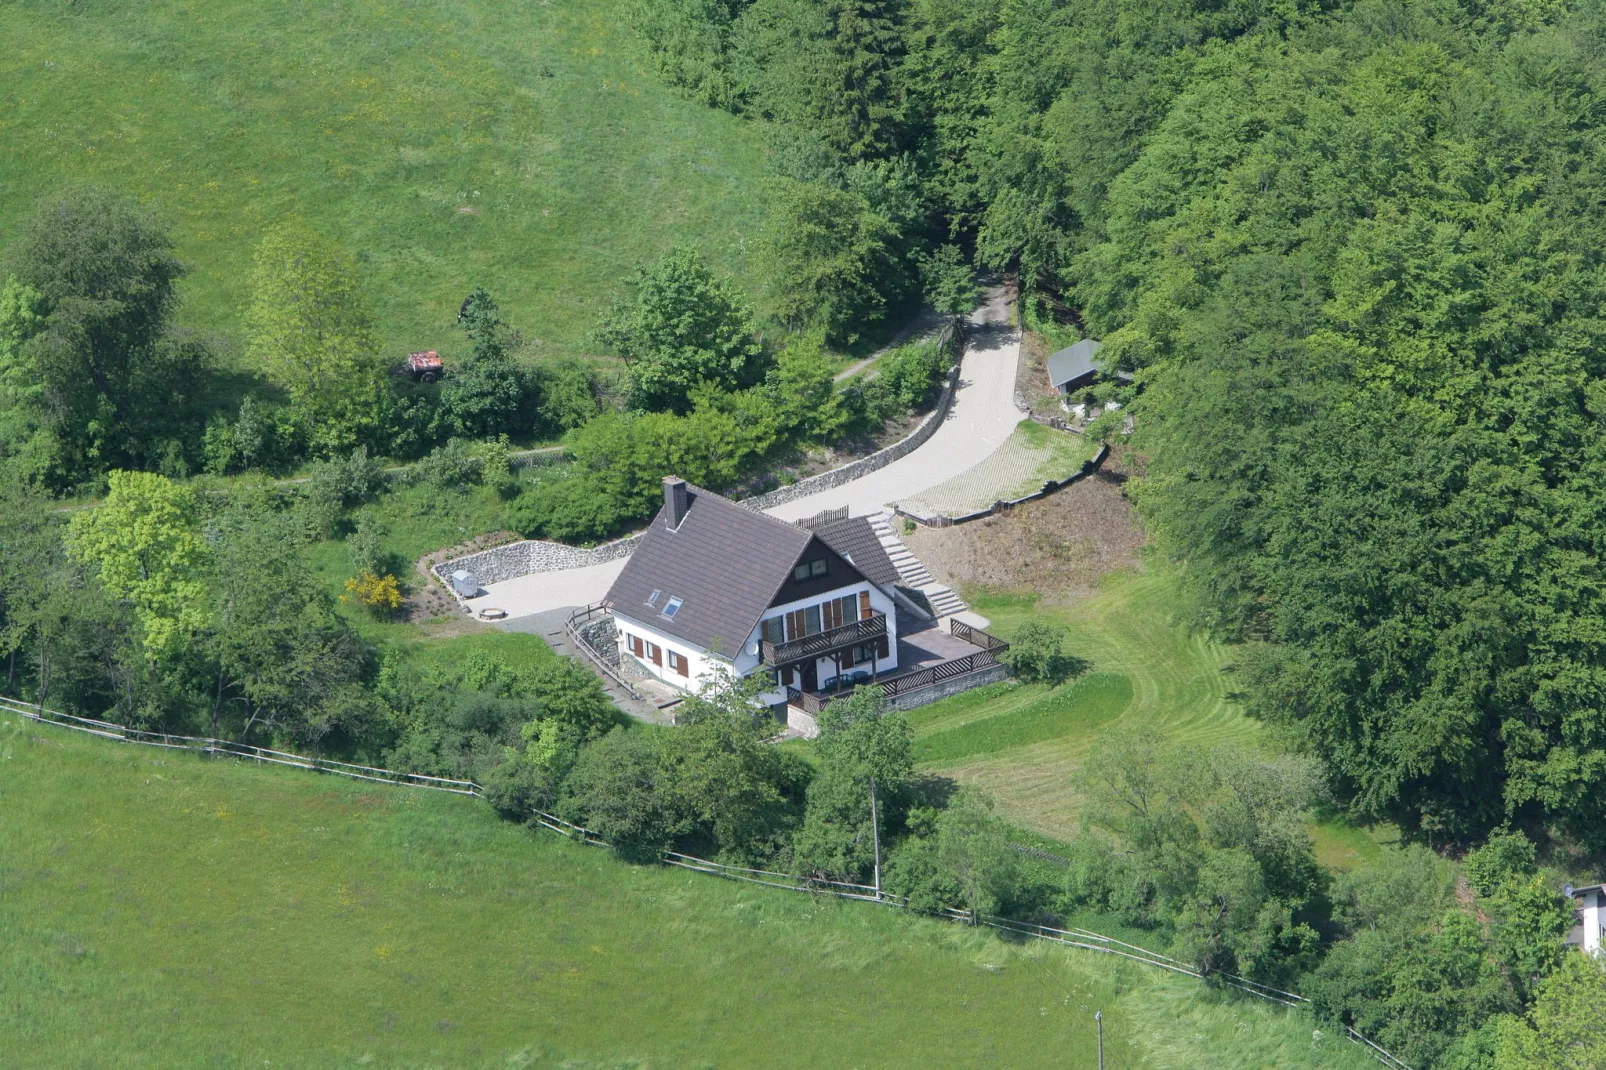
column 1073, row 362
column 856, row 540
column 725, row 562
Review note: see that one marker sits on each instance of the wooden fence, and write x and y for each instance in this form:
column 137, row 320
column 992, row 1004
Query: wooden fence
column 609, row 665
column 975, row 636
column 1078, row 938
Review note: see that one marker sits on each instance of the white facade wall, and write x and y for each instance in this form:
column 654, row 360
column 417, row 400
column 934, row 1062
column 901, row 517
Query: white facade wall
column 704, row 667
column 1592, row 911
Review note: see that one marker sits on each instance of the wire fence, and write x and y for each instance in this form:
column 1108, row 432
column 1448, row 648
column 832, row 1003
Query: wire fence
column 1073, row 937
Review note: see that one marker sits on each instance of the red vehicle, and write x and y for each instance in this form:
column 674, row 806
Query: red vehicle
column 425, row 367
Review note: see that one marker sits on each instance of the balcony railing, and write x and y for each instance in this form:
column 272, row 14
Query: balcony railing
column 894, row 686
column 822, row 643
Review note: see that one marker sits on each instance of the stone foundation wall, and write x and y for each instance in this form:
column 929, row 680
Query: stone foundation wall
column 944, row 688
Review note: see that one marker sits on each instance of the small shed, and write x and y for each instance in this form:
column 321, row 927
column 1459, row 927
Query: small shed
column 466, row 584
column 1077, row 367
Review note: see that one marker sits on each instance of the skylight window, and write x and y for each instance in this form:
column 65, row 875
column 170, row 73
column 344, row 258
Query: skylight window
column 652, row 599
column 672, row 607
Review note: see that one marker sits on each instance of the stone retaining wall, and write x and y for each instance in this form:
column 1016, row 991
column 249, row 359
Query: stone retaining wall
column 942, row 689
column 517, row 559
column 524, row 558
column 836, row 477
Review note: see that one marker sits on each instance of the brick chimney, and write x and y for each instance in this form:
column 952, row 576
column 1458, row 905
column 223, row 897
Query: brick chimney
column 676, row 501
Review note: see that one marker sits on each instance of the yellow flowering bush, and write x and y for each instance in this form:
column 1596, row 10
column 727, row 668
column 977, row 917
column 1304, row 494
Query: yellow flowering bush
column 381, row 594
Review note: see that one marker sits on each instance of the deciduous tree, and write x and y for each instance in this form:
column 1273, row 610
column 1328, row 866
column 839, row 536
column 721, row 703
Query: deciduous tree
column 681, row 329
column 311, row 327
column 144, row 544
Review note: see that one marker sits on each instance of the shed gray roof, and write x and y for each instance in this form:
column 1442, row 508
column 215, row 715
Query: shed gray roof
column 1073, row 362
column 856, row 540
column 725, row 561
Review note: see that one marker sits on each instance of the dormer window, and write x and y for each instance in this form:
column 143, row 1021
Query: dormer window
column 672, row 607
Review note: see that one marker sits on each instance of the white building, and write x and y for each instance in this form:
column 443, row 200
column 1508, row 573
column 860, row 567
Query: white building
column 715, row 588
column 1590, row 913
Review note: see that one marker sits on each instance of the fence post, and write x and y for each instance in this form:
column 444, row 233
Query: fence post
column 875, row 836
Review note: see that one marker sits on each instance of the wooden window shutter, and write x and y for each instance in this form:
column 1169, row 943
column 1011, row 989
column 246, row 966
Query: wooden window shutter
column 864, row 605
column 635, row 645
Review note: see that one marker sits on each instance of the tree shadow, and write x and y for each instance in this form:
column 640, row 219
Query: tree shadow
column 932, row 790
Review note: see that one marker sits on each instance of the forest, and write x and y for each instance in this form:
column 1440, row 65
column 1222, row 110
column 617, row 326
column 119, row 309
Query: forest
column 1352, row 255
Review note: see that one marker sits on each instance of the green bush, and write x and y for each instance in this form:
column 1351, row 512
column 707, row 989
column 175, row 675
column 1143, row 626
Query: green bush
column 457, row 463
column 1037, row 654
column 573, row 509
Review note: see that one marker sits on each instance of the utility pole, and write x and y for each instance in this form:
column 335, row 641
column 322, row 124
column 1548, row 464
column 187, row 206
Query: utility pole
column 875, row 835
column 1098, row 1020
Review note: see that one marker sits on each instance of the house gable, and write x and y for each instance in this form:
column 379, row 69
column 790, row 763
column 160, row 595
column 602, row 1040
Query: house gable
column 839, row 573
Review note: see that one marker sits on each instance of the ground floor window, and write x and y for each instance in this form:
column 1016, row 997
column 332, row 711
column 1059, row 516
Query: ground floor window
column 655, row 654
column 677, row 662
column 636, row 647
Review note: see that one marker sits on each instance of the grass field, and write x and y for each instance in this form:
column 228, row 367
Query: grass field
column 1171, row 680
column 529, row 148
column 1023, row 744
column 183, row 913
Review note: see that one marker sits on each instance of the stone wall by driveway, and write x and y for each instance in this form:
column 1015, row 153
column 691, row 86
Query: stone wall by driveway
column 517, row 559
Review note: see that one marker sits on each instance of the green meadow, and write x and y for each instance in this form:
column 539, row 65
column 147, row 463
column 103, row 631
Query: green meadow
column 529, row 148
column 1025, row 743
column 193, row 913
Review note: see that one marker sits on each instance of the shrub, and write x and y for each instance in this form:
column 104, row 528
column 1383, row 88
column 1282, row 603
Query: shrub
column 568, row 396
column 1504, row 856
column 455, row 464
column 1037, row 654
column 617, row 790
column 572, row 509
column 380, row 595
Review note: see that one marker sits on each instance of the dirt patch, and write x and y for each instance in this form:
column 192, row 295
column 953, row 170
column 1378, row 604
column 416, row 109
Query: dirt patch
column 1031, row 376
column 1061, row 545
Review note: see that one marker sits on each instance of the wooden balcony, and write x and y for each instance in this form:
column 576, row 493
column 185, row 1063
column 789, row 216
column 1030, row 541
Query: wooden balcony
column 820, row 644
column 987, row 653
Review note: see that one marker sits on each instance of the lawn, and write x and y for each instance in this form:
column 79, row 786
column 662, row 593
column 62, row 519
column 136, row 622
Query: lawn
column 189, row 913
column 1172, row 683
column 1023, row 744
column 529, row 148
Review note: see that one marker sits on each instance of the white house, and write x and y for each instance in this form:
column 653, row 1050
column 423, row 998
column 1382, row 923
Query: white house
column 716, row 588
column 1590, row 913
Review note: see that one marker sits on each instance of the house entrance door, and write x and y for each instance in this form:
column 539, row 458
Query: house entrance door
column 810, row 673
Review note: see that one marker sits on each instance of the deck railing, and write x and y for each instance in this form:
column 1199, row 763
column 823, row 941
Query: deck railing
column 985, row 658
column 975, row 636
column 822, row 643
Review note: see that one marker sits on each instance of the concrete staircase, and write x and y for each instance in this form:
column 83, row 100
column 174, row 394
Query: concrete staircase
column 943, row 600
